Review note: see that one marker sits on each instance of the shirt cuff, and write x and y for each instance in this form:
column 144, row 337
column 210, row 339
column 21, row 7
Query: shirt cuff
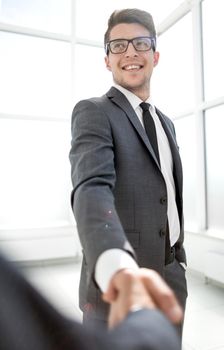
column 110, row 262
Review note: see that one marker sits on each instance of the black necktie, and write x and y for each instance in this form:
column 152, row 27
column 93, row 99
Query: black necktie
column 150, row 128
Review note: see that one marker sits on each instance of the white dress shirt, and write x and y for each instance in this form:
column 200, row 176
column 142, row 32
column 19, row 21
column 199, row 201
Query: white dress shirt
column 113, row 260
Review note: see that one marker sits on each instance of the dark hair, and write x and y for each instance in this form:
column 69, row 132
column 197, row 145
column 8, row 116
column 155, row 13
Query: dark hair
column 130, row 16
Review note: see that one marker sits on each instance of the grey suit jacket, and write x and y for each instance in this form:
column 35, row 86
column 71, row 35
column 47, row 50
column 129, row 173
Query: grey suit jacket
column 119, row 194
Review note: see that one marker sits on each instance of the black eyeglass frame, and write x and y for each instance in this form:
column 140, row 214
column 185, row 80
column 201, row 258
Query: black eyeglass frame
column 152, row 39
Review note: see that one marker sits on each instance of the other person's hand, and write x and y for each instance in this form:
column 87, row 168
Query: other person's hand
column 130, row 290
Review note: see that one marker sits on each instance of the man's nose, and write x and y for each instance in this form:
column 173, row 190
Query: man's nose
column 131, row 50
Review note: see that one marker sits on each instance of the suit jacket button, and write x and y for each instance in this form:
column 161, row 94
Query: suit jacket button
column 162, row 232
column 163, row 200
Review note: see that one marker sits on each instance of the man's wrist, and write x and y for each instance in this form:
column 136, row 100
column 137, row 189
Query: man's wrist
column 110, row 262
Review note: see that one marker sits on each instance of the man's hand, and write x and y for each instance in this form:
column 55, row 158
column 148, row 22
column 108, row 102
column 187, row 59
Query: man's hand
column 136, row 289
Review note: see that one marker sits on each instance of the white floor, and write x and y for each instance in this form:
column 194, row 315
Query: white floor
column 204, row 322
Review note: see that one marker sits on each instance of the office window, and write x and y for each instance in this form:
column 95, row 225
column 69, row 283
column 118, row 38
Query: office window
column 35, row 75
column 172, row 80
column 35, row 112
column 91, row 75
column 47, row 15
column 92, row 24
column 35, row 173
column 213, row 48
column 215, row 170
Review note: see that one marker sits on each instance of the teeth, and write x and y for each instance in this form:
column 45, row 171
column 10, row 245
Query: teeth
column 131, row 67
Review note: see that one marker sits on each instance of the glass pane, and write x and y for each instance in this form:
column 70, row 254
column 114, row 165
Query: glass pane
column 158, row 8
column 35, row 173
column 35, row 76
column 48, row 15
column 215, row 169
column 184, row 128
column 213, row 48
column 92, row 76
column 172, row 81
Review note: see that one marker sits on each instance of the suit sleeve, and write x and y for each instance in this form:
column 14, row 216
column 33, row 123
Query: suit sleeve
column 146, row 330
column 93, row 178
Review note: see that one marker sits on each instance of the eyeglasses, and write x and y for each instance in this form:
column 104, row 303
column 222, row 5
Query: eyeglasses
column 141, row 43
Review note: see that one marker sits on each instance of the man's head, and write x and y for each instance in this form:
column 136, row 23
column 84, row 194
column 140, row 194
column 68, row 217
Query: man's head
column 130, row 16
column 130, row 43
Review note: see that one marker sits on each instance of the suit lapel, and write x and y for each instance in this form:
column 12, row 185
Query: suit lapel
column 120, row 100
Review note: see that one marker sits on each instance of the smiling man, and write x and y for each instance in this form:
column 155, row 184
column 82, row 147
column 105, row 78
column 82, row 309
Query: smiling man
column 126, row 173
column 130, row 70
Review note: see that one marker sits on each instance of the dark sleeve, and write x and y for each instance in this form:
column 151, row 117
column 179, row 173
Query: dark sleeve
column 28, row 321
column 93, row 178
column 146, row 330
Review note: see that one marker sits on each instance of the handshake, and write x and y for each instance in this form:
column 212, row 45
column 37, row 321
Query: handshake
column 131, row 290
column 28, row 321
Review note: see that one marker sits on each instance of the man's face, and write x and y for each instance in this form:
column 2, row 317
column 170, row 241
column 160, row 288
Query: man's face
column 132, row 69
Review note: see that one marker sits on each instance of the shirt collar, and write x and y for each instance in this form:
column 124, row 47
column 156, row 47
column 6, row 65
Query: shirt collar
column 132, row 98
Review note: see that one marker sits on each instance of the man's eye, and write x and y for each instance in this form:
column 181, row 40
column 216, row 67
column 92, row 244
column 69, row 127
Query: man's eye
column 119, row 45
column 141, row 44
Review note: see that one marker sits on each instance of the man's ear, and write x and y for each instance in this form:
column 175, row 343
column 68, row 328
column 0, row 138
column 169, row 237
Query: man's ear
column 107, row 62
column 156, row 58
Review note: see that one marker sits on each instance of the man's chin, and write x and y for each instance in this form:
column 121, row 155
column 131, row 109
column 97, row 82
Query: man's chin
column 130, row 84
column 133, row 87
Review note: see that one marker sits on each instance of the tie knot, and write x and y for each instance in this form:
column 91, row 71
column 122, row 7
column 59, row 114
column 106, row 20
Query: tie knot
column 144, row 106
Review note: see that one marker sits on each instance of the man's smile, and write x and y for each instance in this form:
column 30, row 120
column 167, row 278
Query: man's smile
column 132, row 67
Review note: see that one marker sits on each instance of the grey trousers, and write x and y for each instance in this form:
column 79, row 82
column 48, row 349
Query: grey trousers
column 175, row 277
